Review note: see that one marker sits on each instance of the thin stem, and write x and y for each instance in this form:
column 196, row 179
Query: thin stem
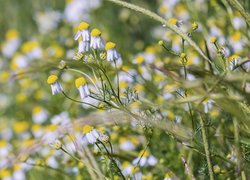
column 206, row 147
column 80, row 72
column 81, row 102
column 163, row 21
column 235, row 4
column 118, row 86
column 237, row 149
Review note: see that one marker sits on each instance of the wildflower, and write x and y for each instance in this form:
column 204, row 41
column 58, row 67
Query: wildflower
column 169, row 175
column 83, row 31
column 160, row 42
column 145, row 159
column 39, row 115
column 96, row 41
column 55, row 85
column 127, row 144
column 83, row 46
column 90, row 135
column 112, row 53
column 216, row 169
column 82, row 87
column 174, row 22
column 57, row 144
column 213, row 40
column 194, row 26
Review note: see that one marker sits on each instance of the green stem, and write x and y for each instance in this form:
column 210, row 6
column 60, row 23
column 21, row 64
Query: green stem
column 158, row 18
column 80, row 72
column 237, row 149
column 206, row 147
column 235, row 4
column 81, row 102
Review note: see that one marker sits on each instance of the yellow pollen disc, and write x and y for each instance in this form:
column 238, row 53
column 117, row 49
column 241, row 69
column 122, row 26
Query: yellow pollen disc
column 144, row 153
column 36, row 110
column 52, row 79
column 172, row 21
column 125, row 164
column 87, row 129
column 233, row 57
column 110, row 45
column 213, row 39
column 95, row 32
column 3, row 143
column 80, row 82
column 11, row 34
column 139, row 59
column 83, row 26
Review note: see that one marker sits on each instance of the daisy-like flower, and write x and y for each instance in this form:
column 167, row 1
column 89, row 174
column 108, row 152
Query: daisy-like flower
column 55, row 85
column 90, row 135
column 145, row 159
column 96, row 41
column 83, row 46
column 82, row 87
column 83, row 31
column 112, row 53
column 39, row 115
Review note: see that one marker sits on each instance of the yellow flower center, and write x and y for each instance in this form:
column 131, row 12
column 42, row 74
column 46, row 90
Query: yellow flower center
column 95, row 32
column 87, row 129
column 139, row 59
column 80, row 82
column 3, row 143
column 144, row 153
column 110, row 45
column 20, row 127
column 36, row 110
column 52, row 79
column 236, row 36
column 172, row 21
column 51, row 128
column 213, row 39
column 35, row 127
column 5, row 173
column 11, row 34
column 83, row 26
column 233, row 57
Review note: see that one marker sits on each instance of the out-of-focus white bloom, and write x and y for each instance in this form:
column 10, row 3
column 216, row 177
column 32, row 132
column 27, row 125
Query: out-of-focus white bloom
column 47, row 21
column 39, row 115
column 55, row 85
column 19, row 61
column 208, row 105
column 127, row 144
column 11, row 44
column 238, row 22
column 82, row 87
column 37, row 130
column 5, row 148
column 78, row 10
column 233, row 61
column 61, row 119
column 19, row 172
column 145, row 159
column 90, row 135
column 112, row 53
column 32, row 50
column 96, row 41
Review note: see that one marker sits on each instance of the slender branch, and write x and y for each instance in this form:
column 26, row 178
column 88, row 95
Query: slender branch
column 235, row 4
column 206, row 147
column 163, row 21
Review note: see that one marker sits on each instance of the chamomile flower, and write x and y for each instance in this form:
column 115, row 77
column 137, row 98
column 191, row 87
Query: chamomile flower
column 90, row 135
column 55, row 85
column 39, row 115
column 145, row 159
column 82, row 87
column 83, row 31
column 96, row 41
column 83, row 46
column 112, row 53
